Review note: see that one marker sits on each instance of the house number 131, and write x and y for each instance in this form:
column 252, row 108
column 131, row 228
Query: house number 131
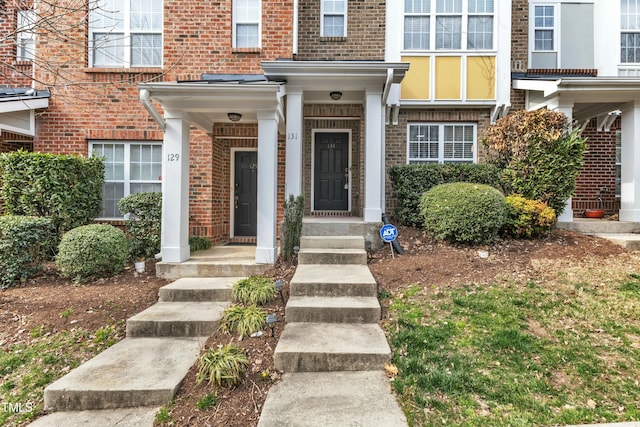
column 173, row 157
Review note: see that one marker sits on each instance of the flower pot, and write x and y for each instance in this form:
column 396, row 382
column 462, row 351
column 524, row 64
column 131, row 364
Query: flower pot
column 139, row 265
column 594, row 213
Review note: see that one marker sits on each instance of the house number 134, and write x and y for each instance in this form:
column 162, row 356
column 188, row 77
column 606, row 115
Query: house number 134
column 173, row 157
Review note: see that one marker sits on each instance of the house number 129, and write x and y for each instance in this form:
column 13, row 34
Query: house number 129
column 173, row 157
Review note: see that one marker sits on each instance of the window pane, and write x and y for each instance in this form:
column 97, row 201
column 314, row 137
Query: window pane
column 543, row 40
column 449, row 6
column 26, row 39
column 416, row 32
column 333, row 6
column 146, row 50
column 112, row 193
column 448, row 32
column 544, row 16
column 480, row 6
column 480, row 34
column 333, row 26
column 247, row 11
column 107, row 15
column 247, row 35
column 108, row 49
column 146, row 15
column 417, row 6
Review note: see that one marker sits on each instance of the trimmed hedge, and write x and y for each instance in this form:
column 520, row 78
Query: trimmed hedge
column 143, row 224
column 527, row 218
column 67, row 188
column 92, row 250
column 24, row 241
column 463, row 212
column 410, row 182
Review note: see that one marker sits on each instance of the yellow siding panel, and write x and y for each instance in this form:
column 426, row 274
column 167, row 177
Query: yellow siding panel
column 415, row 84
column 448, row 77
column 481, row 77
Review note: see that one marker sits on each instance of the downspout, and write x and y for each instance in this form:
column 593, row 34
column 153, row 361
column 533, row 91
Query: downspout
column 146, row 101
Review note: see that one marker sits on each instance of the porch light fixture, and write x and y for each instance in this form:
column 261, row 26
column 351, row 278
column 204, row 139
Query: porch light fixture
column 335, row 95
column 278, row 285
column 234, row 117
column 271, row 322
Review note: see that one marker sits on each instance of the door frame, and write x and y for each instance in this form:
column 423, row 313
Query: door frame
column 232, row 174
column 313, row 164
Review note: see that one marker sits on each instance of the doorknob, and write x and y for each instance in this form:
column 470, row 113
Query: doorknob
column 346, row 181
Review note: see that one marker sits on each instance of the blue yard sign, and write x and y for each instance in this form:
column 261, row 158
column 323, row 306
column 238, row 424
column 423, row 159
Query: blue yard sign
column 388, row 233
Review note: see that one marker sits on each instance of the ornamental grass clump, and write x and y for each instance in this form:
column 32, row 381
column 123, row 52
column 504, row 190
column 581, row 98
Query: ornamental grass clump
column 253, row 290
column 222, row 366
column 463, row 212
column 243, row 320
column 527, row 218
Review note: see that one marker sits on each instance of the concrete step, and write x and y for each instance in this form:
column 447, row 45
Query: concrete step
column 313, row 399
column 333, row 309
column 126, row 417
column 332, row 242
column 343, row 280
column 347, row 226
column 592, row 226
column 332, row 256
column 133, row 372
column 177, row 319
column 202, row 268
column 630, row 241
column 323, row 347
column 198, row 289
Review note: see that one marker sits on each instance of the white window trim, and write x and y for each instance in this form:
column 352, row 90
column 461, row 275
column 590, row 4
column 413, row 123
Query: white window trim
column 25, row 33
column 127, row 165
column 234, row 42
column 441, row 159
column 634, row 65
column 433, row 14
column 533, row 28
column 345, row 14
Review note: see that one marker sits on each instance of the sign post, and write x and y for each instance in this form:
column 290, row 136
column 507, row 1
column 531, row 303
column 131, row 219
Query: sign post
column 389, row 233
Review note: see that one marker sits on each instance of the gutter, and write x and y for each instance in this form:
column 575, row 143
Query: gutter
column 146, row 101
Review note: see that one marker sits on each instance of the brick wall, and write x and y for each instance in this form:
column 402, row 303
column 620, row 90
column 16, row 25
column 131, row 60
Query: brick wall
column 12, row 73
column 365, row 32
column 519, row 47
column 11, row 142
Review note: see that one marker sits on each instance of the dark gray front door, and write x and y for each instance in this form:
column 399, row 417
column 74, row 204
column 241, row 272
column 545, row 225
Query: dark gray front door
column 331, row 172
column 246, row 193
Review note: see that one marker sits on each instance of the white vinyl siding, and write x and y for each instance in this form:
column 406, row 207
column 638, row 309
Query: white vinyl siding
column 441, row 143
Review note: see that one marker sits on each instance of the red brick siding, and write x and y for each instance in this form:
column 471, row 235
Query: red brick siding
column 519, row 47
column 12, row 72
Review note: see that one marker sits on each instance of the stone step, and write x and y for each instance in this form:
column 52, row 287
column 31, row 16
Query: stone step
column 629, row 241
column 125, row 417
column 198, row 289
column 332, row 242
column 343, row 280
column 133, row 372
column 332, row 256
column 593, row 226
column 348, row 399
column 202, row 268
column 348, row 226
column 333, row 309
column 323, row 347
column 177, row 319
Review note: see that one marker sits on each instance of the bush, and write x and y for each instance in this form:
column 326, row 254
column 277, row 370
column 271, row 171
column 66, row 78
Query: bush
column 243, row 320
column 527, row 218
column 92, row 250
column 24, row 242
column 222, row 366
column 65, row 188
column 410, row 182
column 292, row 225
column 463, row 212
column 143, row 213
column 197, row 243
column 253, row 290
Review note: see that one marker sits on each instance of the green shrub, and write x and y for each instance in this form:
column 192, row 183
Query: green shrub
column 143, row 215
column 463, row 212
column 292, row 225
column 410, row 182
column 253, row 290
column 223, row 366
column 24, row 242
column 243, row 320
column 92, row 250
column 66, row 188
column 527, row 218
column 197, row 243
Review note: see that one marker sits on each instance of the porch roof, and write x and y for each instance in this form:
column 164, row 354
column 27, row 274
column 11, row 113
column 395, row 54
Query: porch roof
column 17, row 109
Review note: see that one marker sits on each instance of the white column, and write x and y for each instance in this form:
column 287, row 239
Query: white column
column 567, row 109
column 293, row 174
column 374, row 162
column 630, row 158
column 175, row 189
column 266, row 244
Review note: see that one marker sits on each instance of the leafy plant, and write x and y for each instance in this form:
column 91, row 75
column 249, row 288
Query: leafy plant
column 527, row 218
column 66, row 313
column 222, row 366
column 198, row 243
column 163, row 416
column 253, row 290
column 92, row 250
column 206, row 402
column 143, row 213
column 463, row 212
column 292, row 225
column 243, row 320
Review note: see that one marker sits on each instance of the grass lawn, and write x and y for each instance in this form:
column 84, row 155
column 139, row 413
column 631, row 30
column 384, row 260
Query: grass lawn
column 559, row 347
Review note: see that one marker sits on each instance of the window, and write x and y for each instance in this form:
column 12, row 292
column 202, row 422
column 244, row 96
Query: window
column 246, row 23
column 130, row 167
column 441, row 143
column 630, row 26
column 26, row 37
column 441, row 24
column 126, row 33
column 334, row 18
column 543, row 31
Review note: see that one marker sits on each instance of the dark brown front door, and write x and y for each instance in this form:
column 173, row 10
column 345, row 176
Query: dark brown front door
column 331, row 172
column 246, row 193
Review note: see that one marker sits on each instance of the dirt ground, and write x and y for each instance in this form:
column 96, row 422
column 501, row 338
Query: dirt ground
column 43, row 299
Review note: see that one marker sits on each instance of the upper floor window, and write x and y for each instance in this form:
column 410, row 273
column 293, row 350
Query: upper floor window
column 630, row 26
column 246, row 23
column 334, row 18
column 450, row 20
column 26, row 37
column 544, row 28
column 126, row 33
column 441, row 143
